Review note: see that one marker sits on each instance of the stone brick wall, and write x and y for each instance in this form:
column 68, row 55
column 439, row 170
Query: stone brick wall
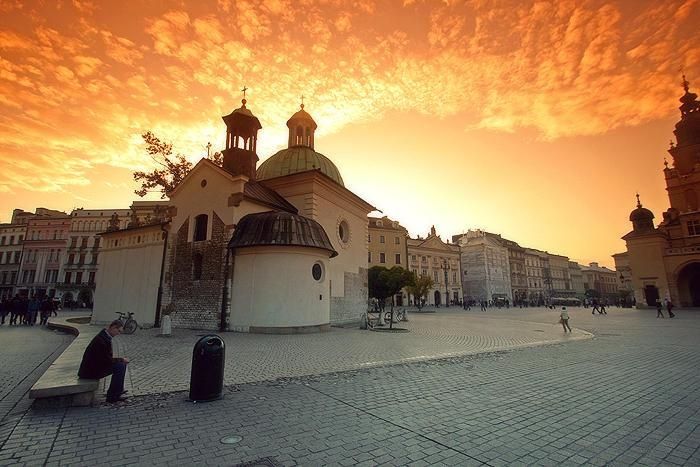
column 349, row 309
column 197, row 303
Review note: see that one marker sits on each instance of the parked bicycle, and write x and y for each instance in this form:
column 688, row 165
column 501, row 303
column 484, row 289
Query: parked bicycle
column 373, row 317
column 129, row 323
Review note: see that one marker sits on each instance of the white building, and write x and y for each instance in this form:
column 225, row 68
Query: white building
column 485, row 265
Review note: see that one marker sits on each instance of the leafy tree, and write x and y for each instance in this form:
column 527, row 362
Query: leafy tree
column 384, row 283
column 171, row 168
column 419, row 288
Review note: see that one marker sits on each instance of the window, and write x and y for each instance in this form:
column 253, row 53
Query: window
column 369, row 256
column 94, row 258
column 398, row 258
column 73, row 242
column 413, row 257
column 83, row 242
column 4, row 277
column 397, row 241
column 454, row 277
column 317, row 271
column 381, row 239
column 96, row 245
column 382, row 258
column 48, row 276
column 68, row 277
column 435, row 276
column 91, row 279
column 78, row 277
column 369, row 237
column 2, row 240
column 71, row 258
column 197, row 261
column 694, row 227
column 424, row 272
column 17, row 256
column 13, row 277
column 200, row 227
column 12, row 239
column 344, row 231
column 2, row 257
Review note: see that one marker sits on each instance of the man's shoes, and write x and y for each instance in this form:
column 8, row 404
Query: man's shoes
column 114, row 400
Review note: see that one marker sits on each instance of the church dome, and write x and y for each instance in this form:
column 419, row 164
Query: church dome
column 297, row 159
column 278, row 228
column 642, row 218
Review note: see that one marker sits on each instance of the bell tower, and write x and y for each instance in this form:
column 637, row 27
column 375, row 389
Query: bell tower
column 240, row 157
column 683, row 180
column 301, row 128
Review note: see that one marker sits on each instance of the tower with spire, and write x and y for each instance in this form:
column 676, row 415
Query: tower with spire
column 664, row 260
column 240, row 156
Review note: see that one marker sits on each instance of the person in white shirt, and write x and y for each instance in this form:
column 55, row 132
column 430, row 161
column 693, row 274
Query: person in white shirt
column 564, row 319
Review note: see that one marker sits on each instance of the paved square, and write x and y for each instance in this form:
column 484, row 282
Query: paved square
column 628, row 396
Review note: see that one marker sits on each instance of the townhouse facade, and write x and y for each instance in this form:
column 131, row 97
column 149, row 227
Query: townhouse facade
column 439, row 260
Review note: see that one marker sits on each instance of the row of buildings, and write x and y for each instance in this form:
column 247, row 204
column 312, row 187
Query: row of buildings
column 482, row 266
column 57, row 254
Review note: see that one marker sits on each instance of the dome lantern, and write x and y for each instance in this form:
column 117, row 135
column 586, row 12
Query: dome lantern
column 642, row 219
column 301, row 128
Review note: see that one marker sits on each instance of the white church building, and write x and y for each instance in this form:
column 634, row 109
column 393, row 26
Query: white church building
column 278, row 248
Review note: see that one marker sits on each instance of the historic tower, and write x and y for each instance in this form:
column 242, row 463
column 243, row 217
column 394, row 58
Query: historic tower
column 242, row 128
column 301, row 129
column 683, row 180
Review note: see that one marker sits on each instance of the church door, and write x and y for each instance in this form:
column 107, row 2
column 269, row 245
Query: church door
column 689, row 285
column 651, row 294
column 437, row 298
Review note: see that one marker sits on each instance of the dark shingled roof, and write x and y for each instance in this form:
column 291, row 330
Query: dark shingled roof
column 282, row 229
column 255, row 190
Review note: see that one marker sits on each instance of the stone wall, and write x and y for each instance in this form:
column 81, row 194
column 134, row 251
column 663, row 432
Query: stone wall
column 349, row 308
column 197, row 303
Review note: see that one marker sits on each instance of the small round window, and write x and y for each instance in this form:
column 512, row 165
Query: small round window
column 344, row 232
column 317, row 271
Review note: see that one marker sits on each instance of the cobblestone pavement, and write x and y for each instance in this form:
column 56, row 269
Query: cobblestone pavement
column 628, row 396
column 25, row 352
column 163, row 364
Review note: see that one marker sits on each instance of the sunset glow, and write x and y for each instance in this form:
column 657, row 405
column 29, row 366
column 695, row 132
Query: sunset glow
column 538, row 120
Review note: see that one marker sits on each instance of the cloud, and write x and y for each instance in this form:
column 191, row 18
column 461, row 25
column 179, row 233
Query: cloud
column 85, row 85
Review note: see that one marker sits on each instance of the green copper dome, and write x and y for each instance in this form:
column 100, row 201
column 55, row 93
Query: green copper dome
column 297, row 159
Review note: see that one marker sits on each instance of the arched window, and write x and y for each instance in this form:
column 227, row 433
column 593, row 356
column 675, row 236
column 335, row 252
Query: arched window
column 197, row 260
column 300, row 135
column 200, row 227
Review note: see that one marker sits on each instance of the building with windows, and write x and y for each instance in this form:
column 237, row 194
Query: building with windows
column 81, row 261
column 664, row 260
column 561, row 279
column 11, row 240
column 43, row 251
column 277, row 247
column 622, row 266
column 576, row 277
column 438, row 260
column 485, row 264
column 386, row 241
column 602, row 280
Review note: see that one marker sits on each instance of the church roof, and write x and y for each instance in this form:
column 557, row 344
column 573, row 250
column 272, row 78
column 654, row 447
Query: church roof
column 280, row 229
column 298, row 159
column 256, row 191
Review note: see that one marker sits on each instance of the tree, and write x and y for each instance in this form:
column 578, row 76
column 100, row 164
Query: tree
column 172, row 168
column 419, row 288
column 384, row 283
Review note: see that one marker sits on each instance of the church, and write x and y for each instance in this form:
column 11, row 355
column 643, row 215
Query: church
column 664, row 260
column 275, row 248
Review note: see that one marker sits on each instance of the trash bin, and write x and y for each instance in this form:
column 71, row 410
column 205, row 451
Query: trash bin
column 207, row 377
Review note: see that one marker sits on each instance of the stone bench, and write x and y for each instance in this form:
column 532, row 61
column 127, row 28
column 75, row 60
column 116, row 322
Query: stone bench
column 60, row 386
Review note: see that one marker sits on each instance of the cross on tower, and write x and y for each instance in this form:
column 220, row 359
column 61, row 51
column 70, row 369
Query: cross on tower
column 208, row 149
column 302, row 101
column 244, row 90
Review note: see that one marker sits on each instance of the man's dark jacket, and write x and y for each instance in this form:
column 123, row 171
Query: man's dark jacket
column 97, row 359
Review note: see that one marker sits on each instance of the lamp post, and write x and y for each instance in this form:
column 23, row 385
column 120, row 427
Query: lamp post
column 445, row 268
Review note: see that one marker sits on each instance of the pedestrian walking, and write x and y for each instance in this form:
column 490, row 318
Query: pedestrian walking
column 595, row 307
column 669, row 307
column 4, row 309
column 602, row 309
column 659, row 307
column 564, row 319
column 45, row 308
column 33, row 310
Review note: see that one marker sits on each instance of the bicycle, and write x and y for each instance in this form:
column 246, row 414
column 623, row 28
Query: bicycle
column 129, row 324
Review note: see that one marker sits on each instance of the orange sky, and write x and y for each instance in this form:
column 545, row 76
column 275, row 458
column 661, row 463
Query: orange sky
column 538, row 120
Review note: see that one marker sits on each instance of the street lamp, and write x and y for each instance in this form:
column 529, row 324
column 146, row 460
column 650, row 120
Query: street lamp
column 445, row 268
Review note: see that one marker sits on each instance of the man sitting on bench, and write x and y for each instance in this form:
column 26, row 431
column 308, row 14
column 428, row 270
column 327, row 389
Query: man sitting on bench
column 98, row 362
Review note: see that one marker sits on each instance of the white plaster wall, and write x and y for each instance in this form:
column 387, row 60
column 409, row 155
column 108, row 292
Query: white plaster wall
column 127, row 281
column 273, row 287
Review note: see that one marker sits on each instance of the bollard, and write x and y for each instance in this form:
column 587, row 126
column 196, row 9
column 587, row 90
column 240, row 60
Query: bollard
column 207, row 377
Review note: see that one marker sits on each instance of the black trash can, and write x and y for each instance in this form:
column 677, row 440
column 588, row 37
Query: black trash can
column 207, row 377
